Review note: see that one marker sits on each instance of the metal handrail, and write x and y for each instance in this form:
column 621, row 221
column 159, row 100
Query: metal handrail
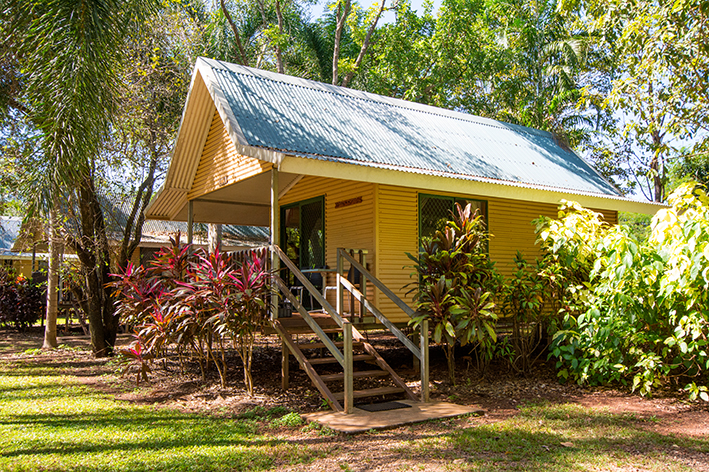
column 310, row 321
column 420, row 352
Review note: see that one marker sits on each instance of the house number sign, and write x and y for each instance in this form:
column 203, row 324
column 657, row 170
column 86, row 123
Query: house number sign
column 346, row 203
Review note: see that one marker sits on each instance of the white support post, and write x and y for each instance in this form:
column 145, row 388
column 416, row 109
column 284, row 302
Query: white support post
column 340, row 295
column 214, row 237
column 275, row 237
column 424, row 361
column 349, row 371
column 190, row 221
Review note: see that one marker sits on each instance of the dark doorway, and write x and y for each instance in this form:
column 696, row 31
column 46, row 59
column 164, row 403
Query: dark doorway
column 303, row 238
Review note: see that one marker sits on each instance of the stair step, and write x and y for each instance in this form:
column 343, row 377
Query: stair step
column 322, row 345
column 361, row 373
column 332, row 360
column 372, row 392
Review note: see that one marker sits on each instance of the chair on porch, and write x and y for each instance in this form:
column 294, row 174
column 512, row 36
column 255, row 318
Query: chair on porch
column 315, row 276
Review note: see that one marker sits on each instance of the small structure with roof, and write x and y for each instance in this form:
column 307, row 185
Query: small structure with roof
column 349, row 182
column 21, row 262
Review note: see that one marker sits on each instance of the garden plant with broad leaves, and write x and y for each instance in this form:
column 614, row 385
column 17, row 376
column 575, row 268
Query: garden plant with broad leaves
column 455, row 284
column 196, row 303
column 643, row 315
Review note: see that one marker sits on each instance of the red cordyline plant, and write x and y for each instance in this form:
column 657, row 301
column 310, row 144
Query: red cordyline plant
column 455, row 282
column 198, row 304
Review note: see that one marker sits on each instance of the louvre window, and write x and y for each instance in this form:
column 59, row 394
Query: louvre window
column 436, row 210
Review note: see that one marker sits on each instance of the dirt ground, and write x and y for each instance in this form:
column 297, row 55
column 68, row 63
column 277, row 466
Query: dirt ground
column 498, row 391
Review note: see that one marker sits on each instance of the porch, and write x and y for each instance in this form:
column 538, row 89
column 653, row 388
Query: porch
column 339, row 360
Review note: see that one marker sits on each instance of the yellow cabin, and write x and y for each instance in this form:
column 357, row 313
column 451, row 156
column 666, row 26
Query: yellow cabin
column 361, row 171
column 348, row 182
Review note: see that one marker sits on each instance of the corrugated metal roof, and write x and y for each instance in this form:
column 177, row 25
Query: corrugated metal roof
column 116, row 215
column 320, row 121
column 9, row 231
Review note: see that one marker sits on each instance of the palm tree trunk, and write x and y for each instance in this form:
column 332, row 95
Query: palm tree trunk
column 50, row 330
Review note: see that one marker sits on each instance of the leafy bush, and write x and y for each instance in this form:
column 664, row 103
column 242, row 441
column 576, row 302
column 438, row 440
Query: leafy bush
column 455, row 282
column 530, row 301
column 200, row 303
column 22, row 302
column 643, row 314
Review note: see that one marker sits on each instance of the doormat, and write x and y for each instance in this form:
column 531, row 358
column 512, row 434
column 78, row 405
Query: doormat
column 383, row 406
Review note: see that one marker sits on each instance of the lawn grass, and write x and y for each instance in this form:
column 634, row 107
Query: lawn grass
column 548, row 437
column 568, row 437
column 51, row 421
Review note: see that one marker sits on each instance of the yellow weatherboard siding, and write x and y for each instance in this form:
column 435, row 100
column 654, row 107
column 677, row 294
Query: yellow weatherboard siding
column 220, row 165
column 386, row 224
column 23, row 267
column 397, row 220
column 350, row 226
column 509, row 222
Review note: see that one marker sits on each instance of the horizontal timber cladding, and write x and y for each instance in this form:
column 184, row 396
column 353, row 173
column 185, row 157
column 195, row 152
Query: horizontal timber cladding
column 23, row 267
column 349, row 224
column 511, row 229
column 397, row 222
column 509, row 224
column 220, row 164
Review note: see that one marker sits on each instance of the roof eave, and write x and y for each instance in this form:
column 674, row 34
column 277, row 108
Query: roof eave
column 172, row 195
column 455, row 183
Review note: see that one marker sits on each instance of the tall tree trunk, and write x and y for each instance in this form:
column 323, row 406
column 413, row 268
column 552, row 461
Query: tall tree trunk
column 365, row 45
column 343, row 10
column 279, row 52
column 657, row 167
column 93, row 253
column 133, row 232
column 50, row 330
column 241, row 53
column 94, row 314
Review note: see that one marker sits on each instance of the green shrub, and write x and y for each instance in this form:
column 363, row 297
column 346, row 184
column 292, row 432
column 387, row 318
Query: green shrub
column 529, row 299
column 290, row 420
column 643, row 315
column 22, row 302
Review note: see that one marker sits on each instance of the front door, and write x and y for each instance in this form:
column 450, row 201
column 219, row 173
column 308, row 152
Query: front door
column 303, row 237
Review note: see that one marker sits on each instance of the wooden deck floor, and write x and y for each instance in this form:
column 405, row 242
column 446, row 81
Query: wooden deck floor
column 360, row 420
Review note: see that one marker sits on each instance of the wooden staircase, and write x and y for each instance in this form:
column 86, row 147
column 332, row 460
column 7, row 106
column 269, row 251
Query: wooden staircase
column 353, row 355
column 364, row 356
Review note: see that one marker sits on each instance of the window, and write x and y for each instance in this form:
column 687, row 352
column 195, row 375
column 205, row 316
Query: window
column 147, row 254
column 436, row 210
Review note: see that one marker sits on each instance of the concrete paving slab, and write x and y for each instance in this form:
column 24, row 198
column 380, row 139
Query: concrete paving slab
column 361, row 420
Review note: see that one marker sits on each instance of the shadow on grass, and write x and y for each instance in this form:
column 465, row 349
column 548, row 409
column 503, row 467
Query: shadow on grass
column 569, row 437
column 110, row 435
